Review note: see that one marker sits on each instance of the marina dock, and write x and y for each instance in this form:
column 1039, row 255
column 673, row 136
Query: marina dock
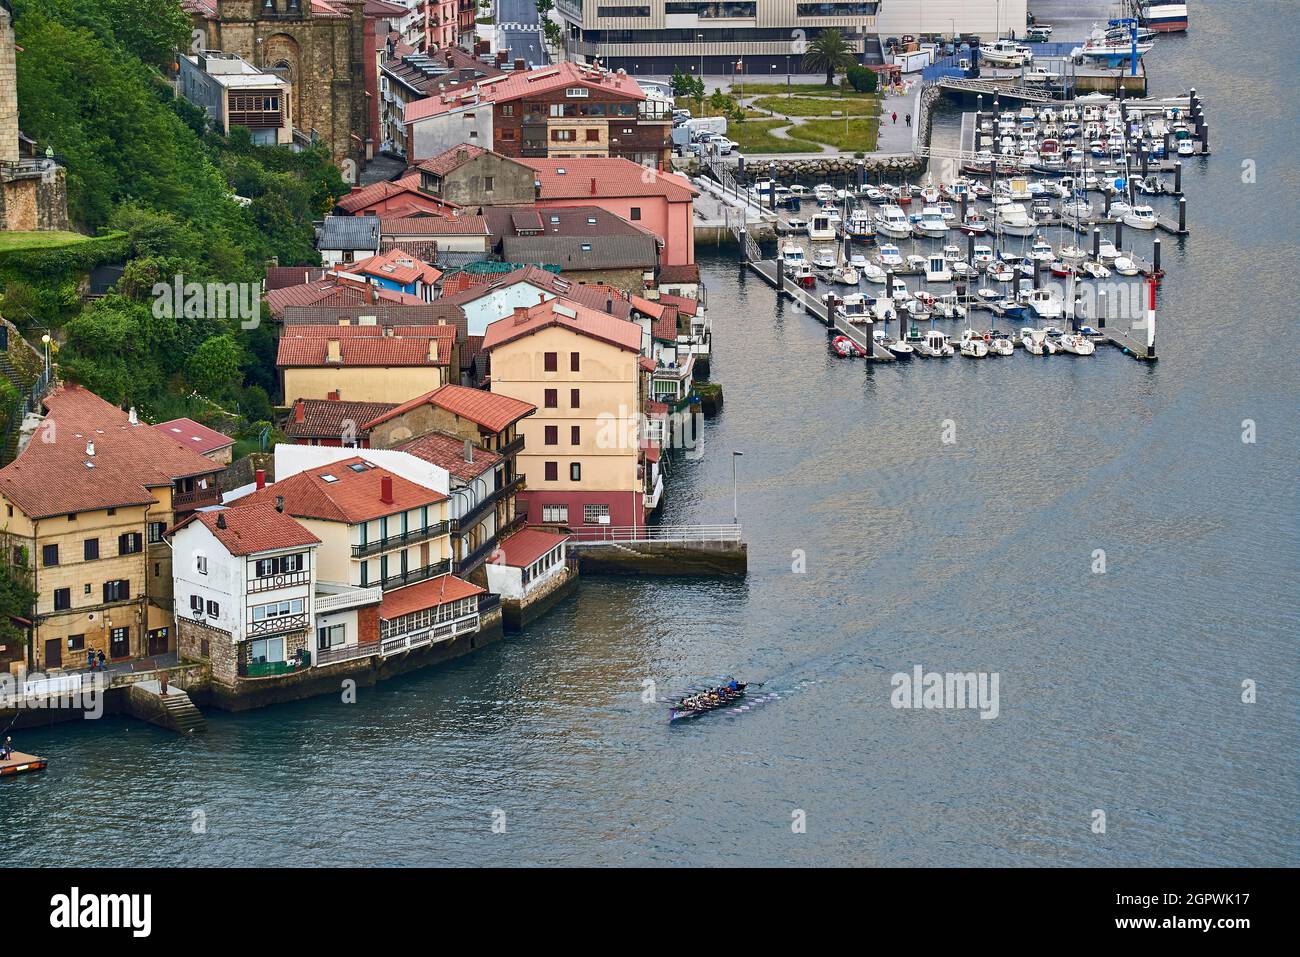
column 861, row 333
column 20, row 763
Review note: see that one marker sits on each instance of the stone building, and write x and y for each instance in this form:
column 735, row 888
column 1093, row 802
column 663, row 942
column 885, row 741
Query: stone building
column 318, row 46
column 33, row 190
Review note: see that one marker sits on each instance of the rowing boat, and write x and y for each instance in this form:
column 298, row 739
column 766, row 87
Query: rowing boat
column 697, row 704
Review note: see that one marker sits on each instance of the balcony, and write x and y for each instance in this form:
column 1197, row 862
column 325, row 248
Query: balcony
column 416, row 575
column 476, row 514
column 332, row 656
column 279, row 625
column 443, row 631
column 512, row 447
column 271, row 669
column 332, row 597
column 398, row 541
column 476, row 558
column 272, row 582
column 199, row 498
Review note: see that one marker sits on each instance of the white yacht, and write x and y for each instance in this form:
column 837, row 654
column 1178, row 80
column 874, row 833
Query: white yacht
column 859, row 226
column 893, row 222
column 931, row 222
column 1140, row 217
column 972, row 345
column 1001, row 345
column 1077, row 344
column 1036, row 342
column 824, row 259
column 983, row 255
column 792, row 254
column 1008, row 53
column 1013, row 220
column 821, row 228
column 823, row 192
column 938, row 269
column 935, row 345
column 872, row 273
column 1045, row 303
column 844, row 274
column 949, row 306
column 889, row 257
column 1041, row 250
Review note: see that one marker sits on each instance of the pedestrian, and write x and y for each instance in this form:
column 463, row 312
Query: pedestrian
column 103, row 662
column 894, row 116
column 8, row 749
column 90, row 658
column 909, row 120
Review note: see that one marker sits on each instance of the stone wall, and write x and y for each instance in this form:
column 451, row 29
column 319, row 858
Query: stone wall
column 663, row 558
column 8, row 91
column 197, row 641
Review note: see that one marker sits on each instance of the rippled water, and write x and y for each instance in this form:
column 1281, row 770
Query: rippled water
column 1119, row 692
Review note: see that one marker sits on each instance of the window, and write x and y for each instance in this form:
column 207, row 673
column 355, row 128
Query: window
column 507, row 109
column 76, row 642
column 593, row 136
column 575, row 471
column 275, row 609
column 62, row 599
column 130, row 543
column 331, row 636
column 552, row 435
column 506, row 135
column 575, row 92
column 552, row 471
column 201, row 564
column 214, row 610
column 90, row 549
column 636, row 213
column 112, row 511
column 283, row 565
column 551, row 401
column 473, row 134
column 196, row 604
column 119, row 590
column 550, row 361
column 156, row 530
column 72, row 517
column 49, row 554
column 487, row 183
column 557, row 514
column 575, row 435
column 622, row 11
column 573, row 362
column 592, row 514
column 267, row 650
column 564, row 136
column 85, row 589
column 573, row 399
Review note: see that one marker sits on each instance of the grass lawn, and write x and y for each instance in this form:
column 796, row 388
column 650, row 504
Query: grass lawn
column 860, row 135
column 755, row 136
column 52, row 239
column 806, row 106
column 799, row 89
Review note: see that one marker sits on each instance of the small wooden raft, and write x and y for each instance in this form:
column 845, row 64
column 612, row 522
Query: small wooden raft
column 21, row 762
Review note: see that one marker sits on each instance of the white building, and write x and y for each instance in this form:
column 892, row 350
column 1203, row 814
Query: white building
column 248, row 597
column 987, row 19
column 236, row 93
column 526, row 563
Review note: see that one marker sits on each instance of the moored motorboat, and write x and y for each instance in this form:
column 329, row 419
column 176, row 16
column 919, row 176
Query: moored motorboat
column 1077, row 344
column 973, row 345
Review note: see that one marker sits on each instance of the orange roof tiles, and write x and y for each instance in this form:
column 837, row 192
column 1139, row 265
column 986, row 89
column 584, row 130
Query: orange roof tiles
column 451, row 159
column 448, row 452
column 570, row 315
column 192, row 435
column 430, row 594
column 533, row 82
column 606, row 176
column 527, row 545
column 252, row 529
column 307, row 346
column 55, row 475
column 352, row 496
column 493, row 412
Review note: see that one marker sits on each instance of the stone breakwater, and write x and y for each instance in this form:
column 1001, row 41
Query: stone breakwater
column 838, row 165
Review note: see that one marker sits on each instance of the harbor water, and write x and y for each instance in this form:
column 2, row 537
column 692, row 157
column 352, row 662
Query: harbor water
column 875, row 546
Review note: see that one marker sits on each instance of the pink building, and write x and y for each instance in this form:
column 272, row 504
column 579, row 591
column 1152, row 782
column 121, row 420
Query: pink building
column 660, row 202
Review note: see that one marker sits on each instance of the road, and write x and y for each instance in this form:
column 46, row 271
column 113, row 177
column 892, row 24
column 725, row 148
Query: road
column 519, row 30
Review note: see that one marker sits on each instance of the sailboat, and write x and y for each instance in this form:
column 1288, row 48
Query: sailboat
column 973, row 345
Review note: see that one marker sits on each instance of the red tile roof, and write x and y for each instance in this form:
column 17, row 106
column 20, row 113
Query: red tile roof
column 653, row 408
column 447, row 451
column 606, row 177
column 51, row 477
column 433, row 226
column 531, row 83
column 570, row 315
column 451, row 159
column 367, row 196
column 683, row 303
column 327, row 418
column 647, row 364
column 458, row 282
column 279, row 277
column 592, row 295
column 304, row 346
column 665, row 327
column 191, row 435
column 430, row 594
column 353, row 496
column 333, row 290
column 682, row 274
column 398, row 267
column 492, row 412
column 527, row 545
column 252, row 529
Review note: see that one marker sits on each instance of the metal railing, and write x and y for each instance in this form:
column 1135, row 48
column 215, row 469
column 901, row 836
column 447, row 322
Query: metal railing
column 278, row 625
column 198, row 498
column 472, row 517
column 347, row 598
column 444, row 631
column 332, row 656
column 273, row 582
column 417, row 574
column 612, row 534
column 408, row 537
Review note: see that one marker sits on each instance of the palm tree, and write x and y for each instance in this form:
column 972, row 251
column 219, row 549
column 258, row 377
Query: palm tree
column 829, row 52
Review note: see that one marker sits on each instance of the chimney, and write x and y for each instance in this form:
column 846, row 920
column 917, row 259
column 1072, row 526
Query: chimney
column 333, row 396
column 386, row 489
column 374, row 293
column 593, row 186
column 260, row 477
column 279, row 503
column 462, row 155
column 90, row 449
column 521, row 314
column 299, row 411
column 132, row 417
column 469, row 451
column 221, row 519
column 541, row 298
column 334, row 354
column 433, row 350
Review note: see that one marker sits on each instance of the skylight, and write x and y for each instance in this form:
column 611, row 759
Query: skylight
column 328, row 478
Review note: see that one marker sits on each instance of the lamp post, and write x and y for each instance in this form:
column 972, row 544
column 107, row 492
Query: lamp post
column 735, row 493
column 45, row 339
column 700, row 37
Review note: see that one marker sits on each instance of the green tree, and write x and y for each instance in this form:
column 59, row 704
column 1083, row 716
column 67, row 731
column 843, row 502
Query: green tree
column 153, row 30
column 829, row 52
column 16, row 598
column 861, row 78
column 681, row 83
column 214, row 368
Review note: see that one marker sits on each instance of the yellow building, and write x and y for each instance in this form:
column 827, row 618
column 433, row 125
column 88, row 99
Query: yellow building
column 581, row 455
column 366, row 363
column 84, row 507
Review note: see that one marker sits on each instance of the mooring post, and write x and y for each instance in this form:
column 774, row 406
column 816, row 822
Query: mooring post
column 1178, row 177
column 1142, row 157
column 970, row 249
column 1096, row 243
column 1205, row 138
column 1168, row 145
column 964, row 202
column 1182, row 214
column 1038, row 273
column 1105, row 202
column 1074, row 314
column 1101, row 309
column 1155, row 255
column 1119, row 235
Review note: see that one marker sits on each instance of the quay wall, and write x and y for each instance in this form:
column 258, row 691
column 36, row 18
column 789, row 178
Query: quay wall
column 517, row 614
column 718, row 559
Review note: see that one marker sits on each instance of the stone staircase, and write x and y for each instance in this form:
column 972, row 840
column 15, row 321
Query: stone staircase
column 184, row 717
